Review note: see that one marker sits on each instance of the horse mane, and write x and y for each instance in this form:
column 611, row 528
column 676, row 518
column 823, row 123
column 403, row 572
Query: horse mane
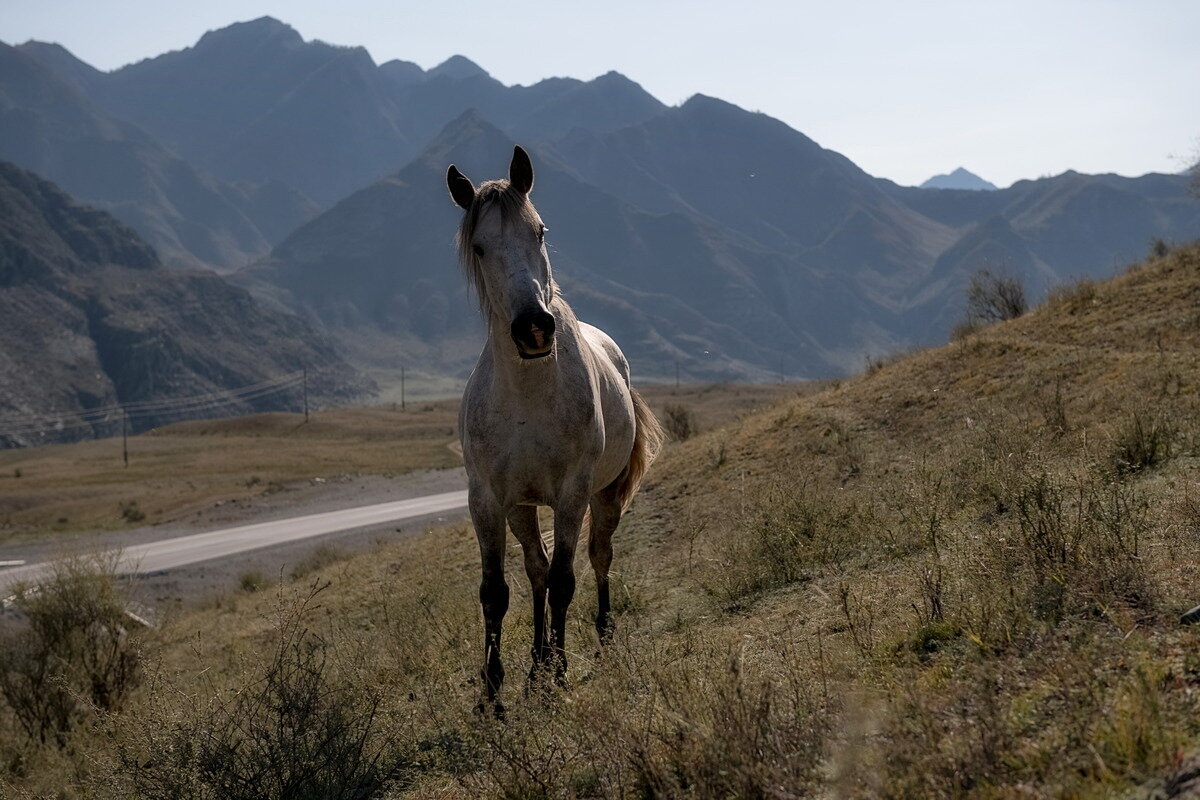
column 512, row 205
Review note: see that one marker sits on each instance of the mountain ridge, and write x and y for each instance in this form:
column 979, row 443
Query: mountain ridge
column 50, row 127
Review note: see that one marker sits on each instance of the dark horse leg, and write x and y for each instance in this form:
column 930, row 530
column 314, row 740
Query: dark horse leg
column 568, row 519
column 524, row 523
column 493, row 596
column 606, row 515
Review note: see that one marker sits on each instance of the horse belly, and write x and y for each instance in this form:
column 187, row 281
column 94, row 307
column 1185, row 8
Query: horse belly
column 618, row 441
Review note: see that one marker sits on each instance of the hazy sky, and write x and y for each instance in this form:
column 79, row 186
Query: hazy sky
column 1009, row 89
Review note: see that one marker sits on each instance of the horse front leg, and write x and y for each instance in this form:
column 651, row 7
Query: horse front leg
column 568, row 520
column 493, row 595
column 524, row 523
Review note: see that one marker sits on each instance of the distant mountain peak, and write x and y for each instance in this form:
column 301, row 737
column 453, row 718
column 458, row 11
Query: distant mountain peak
column 458, row 67
column 959, row 179
column 403, row 73
column 61, row 61
column 470, row 130
column 699, row 100
column 263, row 29
column 34, row 46
column 614, row 77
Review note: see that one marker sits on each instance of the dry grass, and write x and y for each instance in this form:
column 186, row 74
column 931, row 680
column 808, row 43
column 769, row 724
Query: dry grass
column 181, row 468
column 928, row 581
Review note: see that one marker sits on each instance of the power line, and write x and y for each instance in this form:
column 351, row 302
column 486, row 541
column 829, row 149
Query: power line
column 194, row 405
column 148, row 406
column 195, row 408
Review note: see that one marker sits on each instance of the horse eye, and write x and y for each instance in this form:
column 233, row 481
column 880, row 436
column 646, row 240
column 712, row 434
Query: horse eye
column 478, row 250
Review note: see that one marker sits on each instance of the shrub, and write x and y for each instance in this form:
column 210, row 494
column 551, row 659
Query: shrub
column 1141, row 442
column 252, row 581
column 130, row 511
column 994, row 298
column 1078, row 547
column 1054, row 412
column 1074, row 297
column 679, row 421
column 783, row 532
column 717, row 455
column 964, row 329
column 317, row 559
column 73, row 655
column 296, row 730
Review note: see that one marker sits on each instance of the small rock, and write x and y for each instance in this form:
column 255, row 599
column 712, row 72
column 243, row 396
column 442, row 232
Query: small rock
column 1191, row 617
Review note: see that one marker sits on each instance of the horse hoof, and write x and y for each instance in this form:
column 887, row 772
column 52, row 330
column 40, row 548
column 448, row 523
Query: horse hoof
column 493, row 709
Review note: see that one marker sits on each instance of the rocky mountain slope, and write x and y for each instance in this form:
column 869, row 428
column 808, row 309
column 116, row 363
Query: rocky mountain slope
column 89, row 317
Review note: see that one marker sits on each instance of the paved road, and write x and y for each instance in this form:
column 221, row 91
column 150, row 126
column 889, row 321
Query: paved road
column 184, row 550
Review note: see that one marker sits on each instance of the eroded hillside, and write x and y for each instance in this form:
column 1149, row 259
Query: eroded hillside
column 90, row 318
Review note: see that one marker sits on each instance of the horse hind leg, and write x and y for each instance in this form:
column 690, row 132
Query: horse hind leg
column 524, row 523
column 606, row 515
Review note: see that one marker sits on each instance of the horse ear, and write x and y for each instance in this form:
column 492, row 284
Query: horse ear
column 461, row 188
column 520, row 171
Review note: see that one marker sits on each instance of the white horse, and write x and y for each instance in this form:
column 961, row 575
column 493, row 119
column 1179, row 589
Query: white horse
column 548, row 418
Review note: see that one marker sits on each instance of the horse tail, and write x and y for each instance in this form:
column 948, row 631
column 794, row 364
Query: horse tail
column 647, row 441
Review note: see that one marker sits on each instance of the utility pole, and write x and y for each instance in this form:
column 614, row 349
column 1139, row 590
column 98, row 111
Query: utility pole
column 403, row 406
column 305, row 393
column 677, row 373
column 125, row 435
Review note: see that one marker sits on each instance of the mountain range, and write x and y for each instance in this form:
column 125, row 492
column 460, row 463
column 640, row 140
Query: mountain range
column 705, row 237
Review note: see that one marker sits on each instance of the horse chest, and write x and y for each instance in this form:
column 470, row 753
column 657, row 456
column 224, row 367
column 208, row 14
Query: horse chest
column 528, row 454
column 547, row 439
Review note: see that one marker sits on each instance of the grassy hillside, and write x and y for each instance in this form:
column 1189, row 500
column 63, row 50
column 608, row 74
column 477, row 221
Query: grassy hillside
column 959, row 574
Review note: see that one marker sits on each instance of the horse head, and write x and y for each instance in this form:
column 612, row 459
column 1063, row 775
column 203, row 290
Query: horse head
column 502, row 246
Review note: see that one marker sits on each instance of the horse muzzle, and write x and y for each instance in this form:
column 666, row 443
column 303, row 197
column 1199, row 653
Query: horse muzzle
column 533, row 333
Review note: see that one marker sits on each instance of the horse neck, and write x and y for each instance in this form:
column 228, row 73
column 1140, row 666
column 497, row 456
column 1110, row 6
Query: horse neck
column 534, row 378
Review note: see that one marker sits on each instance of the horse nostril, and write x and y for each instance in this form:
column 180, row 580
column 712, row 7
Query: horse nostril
column 533, row 331
column 543, row 323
